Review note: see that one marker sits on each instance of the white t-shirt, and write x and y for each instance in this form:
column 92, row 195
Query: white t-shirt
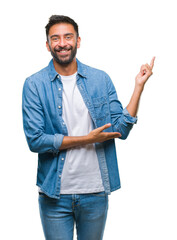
column 81, row 172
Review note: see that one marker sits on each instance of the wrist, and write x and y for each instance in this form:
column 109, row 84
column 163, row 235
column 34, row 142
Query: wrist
column 87, row 139
column 139, row 88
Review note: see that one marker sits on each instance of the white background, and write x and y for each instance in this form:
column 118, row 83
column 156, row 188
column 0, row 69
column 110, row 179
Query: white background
column 118, row 37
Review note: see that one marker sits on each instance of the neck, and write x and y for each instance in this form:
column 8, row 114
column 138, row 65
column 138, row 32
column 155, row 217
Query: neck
column 66, row 70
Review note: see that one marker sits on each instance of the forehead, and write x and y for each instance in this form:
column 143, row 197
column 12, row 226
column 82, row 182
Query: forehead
column 61, row 29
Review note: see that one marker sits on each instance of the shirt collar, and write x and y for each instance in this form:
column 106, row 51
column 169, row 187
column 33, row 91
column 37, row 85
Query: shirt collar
column 52, row 72
column 81, row 70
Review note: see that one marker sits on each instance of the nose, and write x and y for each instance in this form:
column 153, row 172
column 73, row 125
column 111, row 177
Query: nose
column 62, row 42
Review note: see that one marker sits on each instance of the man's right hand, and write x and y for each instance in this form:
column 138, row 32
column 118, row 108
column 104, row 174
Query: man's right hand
column 97, row 135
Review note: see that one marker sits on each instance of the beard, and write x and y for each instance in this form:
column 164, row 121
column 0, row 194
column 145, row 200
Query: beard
column 64, row 60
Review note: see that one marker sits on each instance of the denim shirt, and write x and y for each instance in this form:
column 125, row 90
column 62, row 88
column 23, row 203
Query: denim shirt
column 44, row 126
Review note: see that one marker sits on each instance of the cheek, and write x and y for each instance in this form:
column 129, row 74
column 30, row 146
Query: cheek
column 53, row 46
column 50, row 46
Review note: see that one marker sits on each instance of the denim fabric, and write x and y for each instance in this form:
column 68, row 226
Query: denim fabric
column 88, row 211
column 44, row 127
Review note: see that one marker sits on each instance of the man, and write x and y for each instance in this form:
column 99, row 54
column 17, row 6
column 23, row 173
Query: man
column 71, row 116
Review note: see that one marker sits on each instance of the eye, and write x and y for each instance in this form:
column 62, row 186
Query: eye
column 55, row 39
column 68, row 37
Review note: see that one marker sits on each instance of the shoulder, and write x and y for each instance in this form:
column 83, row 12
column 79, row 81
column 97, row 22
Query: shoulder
column 37, row 78
column 35, row 81
column 41, row 74
column 90, row 71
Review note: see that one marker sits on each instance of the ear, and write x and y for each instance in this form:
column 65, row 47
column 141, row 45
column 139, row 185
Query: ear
column 47, row 46
column 78, row 42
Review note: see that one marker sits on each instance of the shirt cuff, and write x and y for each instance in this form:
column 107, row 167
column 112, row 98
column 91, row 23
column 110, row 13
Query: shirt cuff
column 58, row 139
column 128, row 118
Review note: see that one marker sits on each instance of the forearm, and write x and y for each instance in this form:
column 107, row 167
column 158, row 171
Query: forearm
column 133, row 105
column 71, row 141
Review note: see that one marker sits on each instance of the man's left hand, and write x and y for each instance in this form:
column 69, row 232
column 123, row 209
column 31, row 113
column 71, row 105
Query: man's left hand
column 145, row 73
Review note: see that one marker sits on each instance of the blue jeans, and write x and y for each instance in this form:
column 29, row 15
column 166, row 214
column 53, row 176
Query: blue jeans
column 88, row 211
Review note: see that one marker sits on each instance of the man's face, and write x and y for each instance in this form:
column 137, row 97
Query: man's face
column 63, row 43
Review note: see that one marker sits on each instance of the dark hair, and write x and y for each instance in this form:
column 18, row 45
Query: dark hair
column 54, row 19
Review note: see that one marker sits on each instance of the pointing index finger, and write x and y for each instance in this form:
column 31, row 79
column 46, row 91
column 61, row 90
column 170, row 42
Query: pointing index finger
column 152, row 62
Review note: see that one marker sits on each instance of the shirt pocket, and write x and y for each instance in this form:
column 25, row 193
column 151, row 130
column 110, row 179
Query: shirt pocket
column 100, row 107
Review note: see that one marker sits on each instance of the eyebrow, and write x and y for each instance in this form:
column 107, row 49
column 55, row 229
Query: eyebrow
column 57, row 35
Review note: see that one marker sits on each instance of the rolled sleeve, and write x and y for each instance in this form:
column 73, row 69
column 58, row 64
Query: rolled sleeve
column 58, row 139
column 125, row 124
column 128, row 118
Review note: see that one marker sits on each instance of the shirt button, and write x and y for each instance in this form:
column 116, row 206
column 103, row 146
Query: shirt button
column 59, row 89
column 58, row 76
column 59, row 106
column 59, row 176
column 62, row 159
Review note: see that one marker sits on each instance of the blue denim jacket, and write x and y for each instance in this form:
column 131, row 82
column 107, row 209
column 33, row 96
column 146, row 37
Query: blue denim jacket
column 44, row 127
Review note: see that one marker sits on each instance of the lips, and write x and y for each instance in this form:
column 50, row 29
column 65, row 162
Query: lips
column 62, row 50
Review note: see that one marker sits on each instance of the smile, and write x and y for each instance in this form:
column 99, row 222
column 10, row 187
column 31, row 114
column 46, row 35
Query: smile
column 63, row 51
